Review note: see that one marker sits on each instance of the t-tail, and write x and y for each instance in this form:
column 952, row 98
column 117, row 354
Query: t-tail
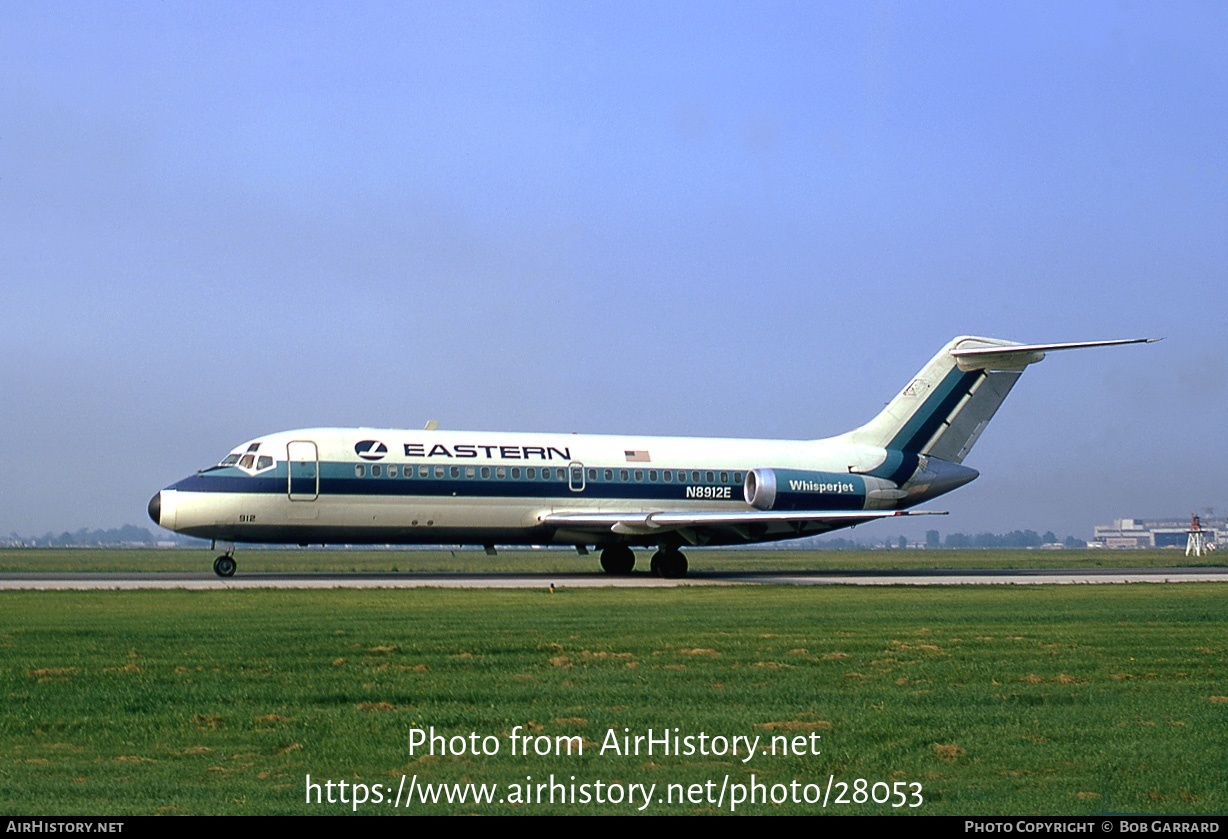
column 929, row 428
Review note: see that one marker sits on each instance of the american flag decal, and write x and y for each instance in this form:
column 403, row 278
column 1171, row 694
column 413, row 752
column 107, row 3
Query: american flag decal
column 637, row 456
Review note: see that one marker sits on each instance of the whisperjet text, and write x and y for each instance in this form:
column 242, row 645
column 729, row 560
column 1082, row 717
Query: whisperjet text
column 664, row 742
column 821, row 486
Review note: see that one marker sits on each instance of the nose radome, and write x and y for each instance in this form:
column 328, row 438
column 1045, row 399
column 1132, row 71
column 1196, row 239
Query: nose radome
column 155, row 508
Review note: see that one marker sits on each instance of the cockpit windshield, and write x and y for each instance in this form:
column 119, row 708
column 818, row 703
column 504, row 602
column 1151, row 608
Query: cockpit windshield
column 246, row 460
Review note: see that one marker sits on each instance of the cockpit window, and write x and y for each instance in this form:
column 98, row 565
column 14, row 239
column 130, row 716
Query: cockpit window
column 246, row 459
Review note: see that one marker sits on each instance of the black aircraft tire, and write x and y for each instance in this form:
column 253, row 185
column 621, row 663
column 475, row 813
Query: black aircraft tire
column 655, row 565
column 617, row 559
column 224, row 566
column 672, row 565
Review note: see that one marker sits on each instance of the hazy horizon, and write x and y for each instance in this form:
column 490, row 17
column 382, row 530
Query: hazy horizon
column 696, row 219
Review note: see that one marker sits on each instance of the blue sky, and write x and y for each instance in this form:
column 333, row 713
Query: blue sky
column 220, row 220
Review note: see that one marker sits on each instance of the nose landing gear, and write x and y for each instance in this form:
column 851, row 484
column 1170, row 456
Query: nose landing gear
column 224, row 565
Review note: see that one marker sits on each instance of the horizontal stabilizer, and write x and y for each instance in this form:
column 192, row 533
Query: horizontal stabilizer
column 1017, row 356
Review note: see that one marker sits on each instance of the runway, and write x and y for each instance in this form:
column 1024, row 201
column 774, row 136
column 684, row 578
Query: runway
column 204, row 581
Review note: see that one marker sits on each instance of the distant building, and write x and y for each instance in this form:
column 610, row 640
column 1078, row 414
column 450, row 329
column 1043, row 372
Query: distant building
column 1157, row 533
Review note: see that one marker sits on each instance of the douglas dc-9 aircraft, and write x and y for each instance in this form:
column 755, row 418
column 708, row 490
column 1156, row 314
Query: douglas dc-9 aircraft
column 396, row 486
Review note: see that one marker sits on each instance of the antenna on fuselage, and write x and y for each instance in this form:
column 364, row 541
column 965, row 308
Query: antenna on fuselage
column 431, row 425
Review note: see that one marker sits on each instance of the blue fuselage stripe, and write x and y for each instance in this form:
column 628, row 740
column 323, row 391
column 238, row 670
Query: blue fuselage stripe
column 903, row 452
column 451, row 487
column 936, row 410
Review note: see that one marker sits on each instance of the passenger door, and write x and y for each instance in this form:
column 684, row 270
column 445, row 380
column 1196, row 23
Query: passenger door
column 303, row 459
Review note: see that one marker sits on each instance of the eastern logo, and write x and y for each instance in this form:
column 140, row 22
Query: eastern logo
column 370, row 449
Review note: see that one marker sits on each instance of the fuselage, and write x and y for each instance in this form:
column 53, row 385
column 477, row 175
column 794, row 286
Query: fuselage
column 398, row 486
column 394, row 486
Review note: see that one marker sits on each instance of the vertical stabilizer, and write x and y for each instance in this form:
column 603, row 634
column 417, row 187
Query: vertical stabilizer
column 946, row 406
column 944, row 409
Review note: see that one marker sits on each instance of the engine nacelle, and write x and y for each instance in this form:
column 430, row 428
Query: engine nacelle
column 798, row 489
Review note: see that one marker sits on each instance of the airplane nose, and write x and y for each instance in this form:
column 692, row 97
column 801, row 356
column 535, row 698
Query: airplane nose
column 155, row 508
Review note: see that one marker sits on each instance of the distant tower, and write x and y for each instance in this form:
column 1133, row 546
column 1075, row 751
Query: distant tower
column 1193, row 545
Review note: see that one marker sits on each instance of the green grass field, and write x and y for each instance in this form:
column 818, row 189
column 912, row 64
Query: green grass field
column 566, row 561
column 997, row 700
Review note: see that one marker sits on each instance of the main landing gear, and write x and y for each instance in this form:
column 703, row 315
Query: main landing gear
column 667, row 562
column 617, row 559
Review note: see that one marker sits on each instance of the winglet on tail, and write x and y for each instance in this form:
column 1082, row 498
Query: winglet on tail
column 947, row 405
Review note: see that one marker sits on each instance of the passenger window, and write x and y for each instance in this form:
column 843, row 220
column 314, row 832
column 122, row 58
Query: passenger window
column 471, row 472
column 709, row 477
column 668, row 475
column 592, row 474
column 438, row 471
column 623, row 475
column 652, row 475
column 562, row 474
column 264, row 462
column 609, row 474
column 485, row 472
column 737, row 477
column 694, row 477
column 515, row 473
column 376, row 470
column 530, row 473
column 359, row 470
column 454, row 471
column 424, row 471
column 392, row 471
column 724, row 477
column 500, row 472
column 639, row 474
column 247, row 461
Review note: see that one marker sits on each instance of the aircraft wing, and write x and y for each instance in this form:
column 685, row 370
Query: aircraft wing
column 698, row 526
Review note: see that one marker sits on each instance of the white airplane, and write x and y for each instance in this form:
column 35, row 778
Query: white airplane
column 398, row 486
